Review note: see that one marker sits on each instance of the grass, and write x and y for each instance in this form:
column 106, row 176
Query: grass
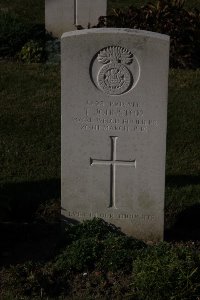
column 30, row 136
column 183, row 144
column 30, row 122
column 96, row 261
column 183, row 120
column 29, row 11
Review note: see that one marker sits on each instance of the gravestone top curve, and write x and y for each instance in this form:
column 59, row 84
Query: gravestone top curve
column 142, row 33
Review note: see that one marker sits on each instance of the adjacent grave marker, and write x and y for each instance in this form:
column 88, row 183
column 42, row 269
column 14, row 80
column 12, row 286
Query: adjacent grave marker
column 114, row 119
column 65, row 15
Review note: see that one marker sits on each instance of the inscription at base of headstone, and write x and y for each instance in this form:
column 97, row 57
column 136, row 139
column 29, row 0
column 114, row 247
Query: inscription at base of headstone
column 65, row 15
column 114, row 120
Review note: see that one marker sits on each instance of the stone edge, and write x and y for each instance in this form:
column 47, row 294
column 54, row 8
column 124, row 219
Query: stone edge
column 136, row 32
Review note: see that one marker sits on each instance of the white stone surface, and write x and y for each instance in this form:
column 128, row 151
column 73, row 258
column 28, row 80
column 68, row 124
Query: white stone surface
column 114, row 119
column 63, row 15
column 59, row 16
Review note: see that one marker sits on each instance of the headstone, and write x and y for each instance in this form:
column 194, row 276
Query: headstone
column 59, row 16
column 114, row 119
column 65, row 15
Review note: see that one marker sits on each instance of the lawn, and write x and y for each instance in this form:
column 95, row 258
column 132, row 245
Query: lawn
column 183, row 155
column 30, row 122
column 30, row 138
column 29, row 11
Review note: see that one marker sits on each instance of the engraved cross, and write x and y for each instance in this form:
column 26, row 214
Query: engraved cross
column 113, row 163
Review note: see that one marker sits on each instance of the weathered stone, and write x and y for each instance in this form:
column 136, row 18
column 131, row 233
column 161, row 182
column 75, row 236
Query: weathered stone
column 114, row 119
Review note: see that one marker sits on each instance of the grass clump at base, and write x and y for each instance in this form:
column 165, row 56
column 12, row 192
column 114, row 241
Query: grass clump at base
column 98, row 245
column 105, row 251
column 106, row 265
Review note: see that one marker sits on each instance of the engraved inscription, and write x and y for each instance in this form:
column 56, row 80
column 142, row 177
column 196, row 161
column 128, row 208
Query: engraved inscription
column 119, row 116
column 125, row 216
column 113, row 163
column 119, row 73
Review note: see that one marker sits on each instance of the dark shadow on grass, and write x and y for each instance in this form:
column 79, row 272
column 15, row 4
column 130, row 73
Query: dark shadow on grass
column 182, row 180
column 187, row 226
column 68, row 221
column 29, row 221
column 21, row 242
column 19, row 202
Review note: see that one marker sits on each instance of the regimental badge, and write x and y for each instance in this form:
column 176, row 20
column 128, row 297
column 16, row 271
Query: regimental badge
column 116, row 76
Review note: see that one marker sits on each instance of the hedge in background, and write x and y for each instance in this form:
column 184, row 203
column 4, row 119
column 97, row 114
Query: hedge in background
column 167, row 17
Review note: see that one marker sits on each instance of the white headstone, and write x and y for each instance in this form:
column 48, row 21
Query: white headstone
column 59, row 16
column 65, row 15
column 114, row 119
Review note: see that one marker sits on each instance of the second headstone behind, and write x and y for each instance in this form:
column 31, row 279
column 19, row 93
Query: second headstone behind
column 65, row 15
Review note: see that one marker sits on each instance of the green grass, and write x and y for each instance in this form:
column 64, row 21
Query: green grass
column 184, row 122
column 30, row 140
column 29, row 122
column 96, row 261
column 29, row 11
column 183, row 143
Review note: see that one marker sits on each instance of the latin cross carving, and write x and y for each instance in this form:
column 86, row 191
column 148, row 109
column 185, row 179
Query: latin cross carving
column 113, row 163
